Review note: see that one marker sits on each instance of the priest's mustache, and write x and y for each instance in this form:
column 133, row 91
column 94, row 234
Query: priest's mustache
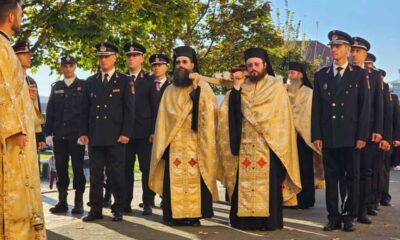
column 181, row 77
column 255, row 76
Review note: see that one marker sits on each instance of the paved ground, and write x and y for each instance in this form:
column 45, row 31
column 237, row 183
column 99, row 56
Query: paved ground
column 299, row 224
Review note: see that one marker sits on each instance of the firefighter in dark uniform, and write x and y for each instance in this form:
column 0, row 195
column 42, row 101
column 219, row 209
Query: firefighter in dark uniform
column 143, row 127
column 385, row 197
column 339, row 127
column 385, row 145
column 369, row 62
column 63, row 116
column 22, row 50
column 159, row 65
column 371, row 152
column 107, row 112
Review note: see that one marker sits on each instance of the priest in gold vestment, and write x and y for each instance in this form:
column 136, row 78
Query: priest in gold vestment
column 184, row 157
column 21, row 213
column 257, row 147
column 310, row 159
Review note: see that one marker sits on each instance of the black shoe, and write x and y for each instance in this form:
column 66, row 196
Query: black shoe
column 364, row 219
column 386, row 204
column 59, row 208
column 78, row 207
column 142, row 205
column 170, row 223
column 77, row 210
column 128, row 209
column 348, row 226
column 117, row 216
column 147, row 210
column 332, row 225
column 92, row 216
column 372, row 212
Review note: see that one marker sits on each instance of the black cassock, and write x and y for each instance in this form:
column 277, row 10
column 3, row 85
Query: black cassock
column 277, row 175
column 206, row 197
column 305, row 198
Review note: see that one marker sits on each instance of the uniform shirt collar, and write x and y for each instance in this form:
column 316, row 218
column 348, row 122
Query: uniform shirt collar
column 136, row 74
column 162, row 81
column 110, row 73
column 344, row 66
column 69, row 81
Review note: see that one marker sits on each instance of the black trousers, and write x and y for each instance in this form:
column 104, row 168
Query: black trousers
column 113, row 159
column 385, row 196
column 275, row 220
column 63, row 150
column 306, row 198
column 142, row 149
column 377, row 178
column 206, row 197
column 369, row 154
column 339, row 161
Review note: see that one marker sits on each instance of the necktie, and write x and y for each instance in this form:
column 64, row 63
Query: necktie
column 158, row 85
column 105, row 80
column 338, row 76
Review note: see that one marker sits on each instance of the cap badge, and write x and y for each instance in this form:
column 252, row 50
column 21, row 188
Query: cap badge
column 334, row 37
column 103, row 48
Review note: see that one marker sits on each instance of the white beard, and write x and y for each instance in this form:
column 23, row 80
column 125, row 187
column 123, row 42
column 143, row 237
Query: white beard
column 293, row 86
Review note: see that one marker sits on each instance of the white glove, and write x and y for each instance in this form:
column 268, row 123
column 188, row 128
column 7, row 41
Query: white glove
column 49, row 140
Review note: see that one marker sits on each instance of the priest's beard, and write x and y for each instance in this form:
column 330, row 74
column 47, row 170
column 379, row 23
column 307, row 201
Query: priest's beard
column 255, row 76
column 181, row 78
column 293, row 86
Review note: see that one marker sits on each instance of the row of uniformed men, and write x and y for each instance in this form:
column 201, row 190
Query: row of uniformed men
column 64, row 116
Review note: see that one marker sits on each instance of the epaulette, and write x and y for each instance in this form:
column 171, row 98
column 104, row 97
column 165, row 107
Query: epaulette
column 323, row 67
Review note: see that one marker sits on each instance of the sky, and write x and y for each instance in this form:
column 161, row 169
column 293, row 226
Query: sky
column 376, row 21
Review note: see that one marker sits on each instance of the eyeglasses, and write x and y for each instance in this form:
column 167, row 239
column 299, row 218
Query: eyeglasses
column 257, row 64
column 183, row 62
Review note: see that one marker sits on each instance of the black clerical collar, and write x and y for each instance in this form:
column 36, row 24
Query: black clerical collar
column 5, row 35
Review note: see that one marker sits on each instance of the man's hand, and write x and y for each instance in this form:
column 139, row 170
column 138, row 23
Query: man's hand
column 376, row 137
column 84, row 140
column 396, row 143
column 33, row 92
column 41, row 145
column 384, row 145
column 49, row 140
column 238, row 79
column 318, row 144
column 195, row 77
column 151, row 138
column 360, row 144
column 19, row 139
column 123, row 139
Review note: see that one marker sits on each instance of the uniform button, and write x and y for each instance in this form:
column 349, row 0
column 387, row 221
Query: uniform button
column 333, row 116
column 347, row 92
column 105, row 117
column 329, row 93
column 333, row 104
column 65, row 124
column 342, row 104
column 105, row 106
column 98, row 106
column 97, row 117
column 342, row 116
column 110, row 95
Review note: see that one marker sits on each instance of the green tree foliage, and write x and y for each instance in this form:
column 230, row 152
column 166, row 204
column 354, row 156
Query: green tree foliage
column 219, row 30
